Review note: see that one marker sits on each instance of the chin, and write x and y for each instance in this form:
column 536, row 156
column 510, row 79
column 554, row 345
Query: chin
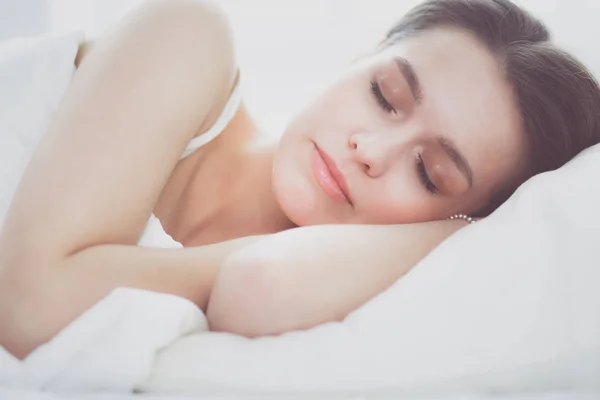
column 296, row 199
column 296, row 206
column 302, row 203
column 303, row 210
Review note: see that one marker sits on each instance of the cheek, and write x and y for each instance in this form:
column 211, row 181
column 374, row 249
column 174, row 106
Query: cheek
column 396, row 201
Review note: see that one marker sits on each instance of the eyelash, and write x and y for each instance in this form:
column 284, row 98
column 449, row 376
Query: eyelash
column 424, row 177
column 386, row 106
column 383, row 103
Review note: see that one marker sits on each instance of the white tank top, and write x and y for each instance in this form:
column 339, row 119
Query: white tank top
column 154, row 235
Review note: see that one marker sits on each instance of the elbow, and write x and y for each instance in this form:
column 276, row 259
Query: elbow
column 27, row 311
column 244, row 299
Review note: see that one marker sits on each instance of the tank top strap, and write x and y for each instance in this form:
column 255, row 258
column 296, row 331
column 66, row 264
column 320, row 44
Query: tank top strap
column 231, row 107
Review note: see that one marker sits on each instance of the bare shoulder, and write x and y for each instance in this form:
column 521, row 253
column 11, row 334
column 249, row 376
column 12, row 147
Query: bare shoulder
column 200, row 22
column 201, row 25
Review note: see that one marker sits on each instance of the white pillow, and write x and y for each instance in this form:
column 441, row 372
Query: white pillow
column 509, row 303
column 34, row 75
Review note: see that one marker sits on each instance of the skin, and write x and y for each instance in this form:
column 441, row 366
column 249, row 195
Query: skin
column 64, row 250
column 467, row 103
column 464, row 98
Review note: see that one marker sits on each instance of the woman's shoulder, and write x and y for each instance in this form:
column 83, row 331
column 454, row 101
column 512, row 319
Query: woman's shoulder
column 204, row 22
column 200, row 24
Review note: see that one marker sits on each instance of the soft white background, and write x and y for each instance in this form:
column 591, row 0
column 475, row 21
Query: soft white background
column 290, row 49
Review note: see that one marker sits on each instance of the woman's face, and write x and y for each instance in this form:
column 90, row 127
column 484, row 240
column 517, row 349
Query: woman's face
column 419, row 131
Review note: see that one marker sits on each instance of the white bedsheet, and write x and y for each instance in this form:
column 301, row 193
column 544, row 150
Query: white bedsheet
column 6, row 394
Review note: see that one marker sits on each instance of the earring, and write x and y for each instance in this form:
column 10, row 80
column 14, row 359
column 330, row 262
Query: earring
column 463, row 217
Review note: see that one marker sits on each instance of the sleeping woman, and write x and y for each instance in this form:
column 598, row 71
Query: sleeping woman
column 460, row 103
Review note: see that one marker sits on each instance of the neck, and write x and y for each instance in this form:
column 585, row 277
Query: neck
column 230, row 195
column 255, row 195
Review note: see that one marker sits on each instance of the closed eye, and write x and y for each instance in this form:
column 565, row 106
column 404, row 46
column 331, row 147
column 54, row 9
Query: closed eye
column 424, row 176
column 380, row 98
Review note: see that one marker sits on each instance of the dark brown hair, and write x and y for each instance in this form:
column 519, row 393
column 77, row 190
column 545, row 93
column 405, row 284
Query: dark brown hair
column 558, row 98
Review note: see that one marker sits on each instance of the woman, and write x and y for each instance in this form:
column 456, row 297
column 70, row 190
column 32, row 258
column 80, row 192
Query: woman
column 461, row 103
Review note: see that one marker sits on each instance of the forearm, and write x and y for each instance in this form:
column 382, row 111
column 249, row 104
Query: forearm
column 33, row 308
column 303, row 277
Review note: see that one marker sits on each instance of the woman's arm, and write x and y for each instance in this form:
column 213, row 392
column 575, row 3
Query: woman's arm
column 31, row 314
column 142, row 92
column 306, row 276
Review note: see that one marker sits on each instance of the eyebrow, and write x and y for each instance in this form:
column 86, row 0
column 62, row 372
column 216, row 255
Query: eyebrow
column 407, row 70
column 457, row 158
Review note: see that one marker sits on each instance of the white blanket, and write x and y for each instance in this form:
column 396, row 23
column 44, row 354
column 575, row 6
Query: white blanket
column 111, row 347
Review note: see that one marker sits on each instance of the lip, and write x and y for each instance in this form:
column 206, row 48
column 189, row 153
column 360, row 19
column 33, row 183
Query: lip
column 329, row 177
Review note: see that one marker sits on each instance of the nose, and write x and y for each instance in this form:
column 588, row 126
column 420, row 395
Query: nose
column 376, row 151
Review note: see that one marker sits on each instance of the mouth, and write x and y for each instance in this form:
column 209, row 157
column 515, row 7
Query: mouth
column 329, row 177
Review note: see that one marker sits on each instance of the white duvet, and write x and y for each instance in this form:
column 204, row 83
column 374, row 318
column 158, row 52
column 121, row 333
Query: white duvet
column 508, row 304
column 109, row 348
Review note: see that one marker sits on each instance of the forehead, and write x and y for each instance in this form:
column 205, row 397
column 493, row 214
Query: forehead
column 467, row 99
